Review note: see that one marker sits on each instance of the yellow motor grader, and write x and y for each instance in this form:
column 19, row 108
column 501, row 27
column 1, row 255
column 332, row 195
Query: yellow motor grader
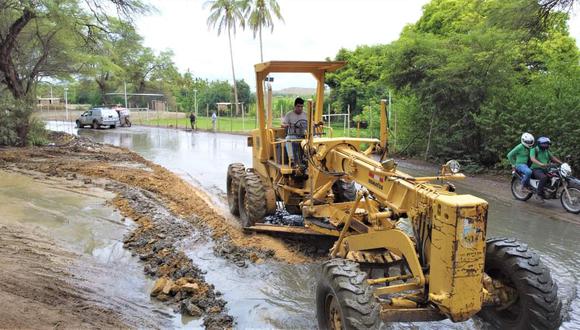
column 407, row 248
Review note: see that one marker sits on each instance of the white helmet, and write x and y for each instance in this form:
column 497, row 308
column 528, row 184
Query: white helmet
column 527, row 140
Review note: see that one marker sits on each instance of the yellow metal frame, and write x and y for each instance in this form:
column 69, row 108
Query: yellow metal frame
column 450, row 228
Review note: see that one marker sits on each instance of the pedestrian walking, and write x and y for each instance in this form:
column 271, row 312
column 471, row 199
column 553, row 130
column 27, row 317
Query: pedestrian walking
column 213, row 121
column 192, row 119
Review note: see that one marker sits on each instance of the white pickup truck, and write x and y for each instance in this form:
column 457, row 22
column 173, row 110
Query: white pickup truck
column 98, row 117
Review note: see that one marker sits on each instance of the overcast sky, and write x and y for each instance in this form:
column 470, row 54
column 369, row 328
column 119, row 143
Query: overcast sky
column 312, row 30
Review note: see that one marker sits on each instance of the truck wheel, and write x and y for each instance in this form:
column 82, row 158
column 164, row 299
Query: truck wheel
column 113, row 126
column 571, row 204
column 235, row 173
column 519, row 194
column 78, row 122
column 537, row 305
column 251, row 199
column 95, row 124
column 344, row 299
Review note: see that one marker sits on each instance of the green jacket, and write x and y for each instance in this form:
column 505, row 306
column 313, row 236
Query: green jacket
column 543, row 156
column 519, row 155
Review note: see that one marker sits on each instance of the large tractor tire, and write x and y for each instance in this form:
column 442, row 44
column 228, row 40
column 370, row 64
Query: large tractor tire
column 518, row 192
column 235, row 173
column 344, row 299
column 537, row 305
column 251, row 199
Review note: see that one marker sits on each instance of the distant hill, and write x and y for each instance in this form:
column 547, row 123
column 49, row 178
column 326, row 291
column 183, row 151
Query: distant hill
column 296, row 91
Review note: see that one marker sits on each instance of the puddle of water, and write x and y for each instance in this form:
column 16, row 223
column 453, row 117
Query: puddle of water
column 86, row 226
column 261, row 295
column 202, row 158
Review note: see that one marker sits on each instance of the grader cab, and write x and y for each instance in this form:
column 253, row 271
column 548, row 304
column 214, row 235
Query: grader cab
column 407, row 248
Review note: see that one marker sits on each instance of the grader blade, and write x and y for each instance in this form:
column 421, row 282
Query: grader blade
column 284, row 229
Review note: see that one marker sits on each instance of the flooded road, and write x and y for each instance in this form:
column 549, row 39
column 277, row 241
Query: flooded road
column 279, row 295
column 78, row 220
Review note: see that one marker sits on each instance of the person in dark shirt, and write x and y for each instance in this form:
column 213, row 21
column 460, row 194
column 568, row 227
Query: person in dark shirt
column 192, row 119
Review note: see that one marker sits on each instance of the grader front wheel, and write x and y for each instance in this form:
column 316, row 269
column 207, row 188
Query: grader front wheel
column 235, row 173
column 536, row 304
column 344, row 299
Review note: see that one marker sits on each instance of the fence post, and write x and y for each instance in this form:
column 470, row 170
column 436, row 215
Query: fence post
column 348, row 111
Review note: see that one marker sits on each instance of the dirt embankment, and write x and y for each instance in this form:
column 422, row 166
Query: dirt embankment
column 167, row 211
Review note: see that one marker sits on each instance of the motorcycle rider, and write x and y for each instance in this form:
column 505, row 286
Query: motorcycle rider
column 541, row 157
column 519, row 157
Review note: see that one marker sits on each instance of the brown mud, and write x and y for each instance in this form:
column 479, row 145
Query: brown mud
column 44, row 285
column 166, row 210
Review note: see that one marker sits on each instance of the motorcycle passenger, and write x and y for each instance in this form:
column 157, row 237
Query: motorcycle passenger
column 519, row 157
column 541, row 158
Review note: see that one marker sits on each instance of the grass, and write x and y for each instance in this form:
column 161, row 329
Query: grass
column 239, row 125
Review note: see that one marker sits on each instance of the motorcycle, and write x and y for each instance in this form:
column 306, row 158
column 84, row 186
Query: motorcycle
column 561, row 184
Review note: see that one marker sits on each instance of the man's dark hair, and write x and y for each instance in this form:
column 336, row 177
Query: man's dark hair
column 298, row 100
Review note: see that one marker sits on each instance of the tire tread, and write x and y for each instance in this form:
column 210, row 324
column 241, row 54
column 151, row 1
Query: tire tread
column 532, row 279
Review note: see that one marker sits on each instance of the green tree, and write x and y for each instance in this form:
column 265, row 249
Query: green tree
column 245, row 94
column 259, row 15
column 47, row 38
column 227, row 15
column 113, row 54
column 468, row 78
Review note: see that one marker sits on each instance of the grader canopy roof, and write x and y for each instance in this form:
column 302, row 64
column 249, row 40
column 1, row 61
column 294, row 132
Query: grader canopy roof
column 297, row 66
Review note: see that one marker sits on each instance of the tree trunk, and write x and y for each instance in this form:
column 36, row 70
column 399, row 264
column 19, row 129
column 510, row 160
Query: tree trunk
column 429, row 138
column 261, row 52
column 233, row 73
column 11, row 78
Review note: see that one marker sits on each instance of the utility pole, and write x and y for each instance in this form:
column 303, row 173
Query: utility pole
column 195, row 100
column 66, row 102
column 125, row 86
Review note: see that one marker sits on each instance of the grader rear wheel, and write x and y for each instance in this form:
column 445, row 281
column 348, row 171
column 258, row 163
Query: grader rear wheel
column 536, row 305
column 235, row 173
column 251, row 199
column 344, row 299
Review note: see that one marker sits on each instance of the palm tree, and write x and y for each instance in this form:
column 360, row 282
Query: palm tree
column 260, row 15
column 227, row 15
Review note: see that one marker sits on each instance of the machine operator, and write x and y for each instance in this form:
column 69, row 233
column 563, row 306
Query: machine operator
column 295, row 123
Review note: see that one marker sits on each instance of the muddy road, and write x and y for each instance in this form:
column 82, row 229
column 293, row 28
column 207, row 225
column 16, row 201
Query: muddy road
column 283, row 297
column 63, row 261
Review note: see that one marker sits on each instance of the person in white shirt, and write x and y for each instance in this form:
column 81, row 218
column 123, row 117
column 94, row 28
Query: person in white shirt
column 295, row 123
column 213, row 120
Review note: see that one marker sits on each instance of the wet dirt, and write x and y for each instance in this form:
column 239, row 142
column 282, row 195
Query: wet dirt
column 202, row 159
column 57, row 265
